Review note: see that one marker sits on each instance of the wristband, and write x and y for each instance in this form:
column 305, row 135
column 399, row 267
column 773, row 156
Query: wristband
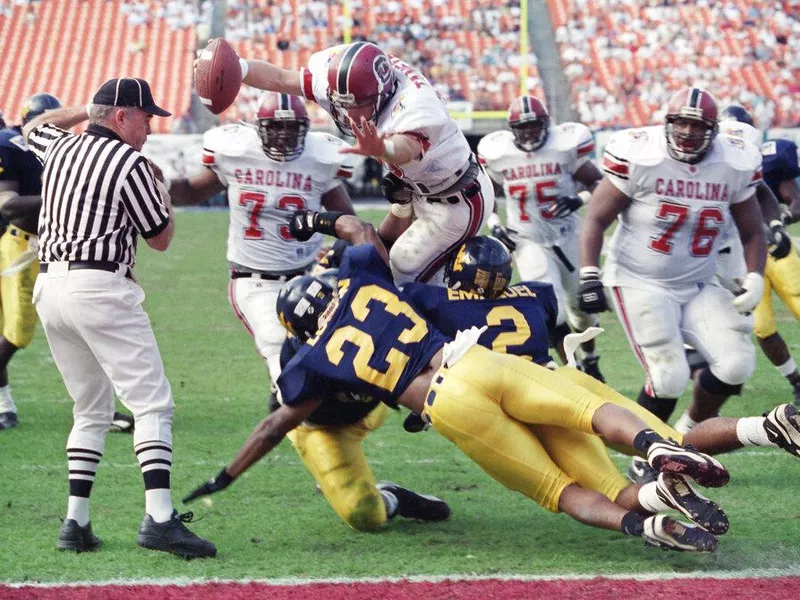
column 245, row 68
column 590, row 273
column 402, row 211
column 325, row 222
column 388, row 150
column 775, row 223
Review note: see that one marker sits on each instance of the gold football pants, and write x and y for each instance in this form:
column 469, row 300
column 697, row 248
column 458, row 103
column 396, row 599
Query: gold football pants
column 334, row 456
column 16, row 291
column 783, row 276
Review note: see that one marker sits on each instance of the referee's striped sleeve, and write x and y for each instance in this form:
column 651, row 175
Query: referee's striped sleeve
column 42, row 136
column 142, row 200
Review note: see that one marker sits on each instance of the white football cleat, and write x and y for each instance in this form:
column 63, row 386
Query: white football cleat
column 670, row 534
column 782, row 425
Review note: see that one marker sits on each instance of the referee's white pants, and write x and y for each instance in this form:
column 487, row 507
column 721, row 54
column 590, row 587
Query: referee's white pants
column 254, row 301
column 102, row 342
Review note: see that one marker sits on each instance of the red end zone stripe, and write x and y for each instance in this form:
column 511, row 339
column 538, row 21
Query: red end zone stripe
column 778, row 588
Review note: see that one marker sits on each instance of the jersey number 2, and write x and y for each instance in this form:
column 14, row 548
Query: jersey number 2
column 704, row 234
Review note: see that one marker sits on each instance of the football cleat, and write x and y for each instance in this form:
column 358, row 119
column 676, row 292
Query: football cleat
column 412, row 505
column 8, row 420
column 640, row 471
column 782, row 424
column 590, row 367
column 676, row 492
column 670, row 534
column 121, row 423
column 75, row 538
column 667, row 456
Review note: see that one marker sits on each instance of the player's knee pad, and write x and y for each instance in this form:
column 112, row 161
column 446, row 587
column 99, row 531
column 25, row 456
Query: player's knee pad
column 713, row 385
column 660, row 407
column 413, row 251
column 364, row 510
column 669, row 379
column 737, row 366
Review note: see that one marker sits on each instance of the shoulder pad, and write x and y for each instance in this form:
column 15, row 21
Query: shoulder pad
column 494, row 145
column 230, row 140
column 637, row 146
column 571, row 136
column 741, row 130
column 738, row 153
column 325, row 147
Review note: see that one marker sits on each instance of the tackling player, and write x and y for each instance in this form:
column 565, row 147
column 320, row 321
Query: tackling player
column 270, row 169
column 398, row 118
column 675, row 188
column 540, row 168
column 366, row 338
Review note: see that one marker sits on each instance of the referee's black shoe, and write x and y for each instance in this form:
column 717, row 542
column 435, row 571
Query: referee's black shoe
column 121, row 423
column 174, row 537
column 75, row 538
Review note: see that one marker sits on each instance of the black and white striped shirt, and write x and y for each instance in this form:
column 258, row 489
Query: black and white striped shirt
column 97, row 194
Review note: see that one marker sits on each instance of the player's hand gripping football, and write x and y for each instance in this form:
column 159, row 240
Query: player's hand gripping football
column 212, row 486
column 591, row 295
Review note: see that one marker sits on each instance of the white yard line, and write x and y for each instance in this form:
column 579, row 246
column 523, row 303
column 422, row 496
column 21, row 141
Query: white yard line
column 297, row 581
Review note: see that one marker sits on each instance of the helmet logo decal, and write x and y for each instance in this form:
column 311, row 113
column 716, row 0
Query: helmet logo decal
column 383, row 70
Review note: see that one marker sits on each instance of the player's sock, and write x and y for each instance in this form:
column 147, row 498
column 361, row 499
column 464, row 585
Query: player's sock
column 685, row 423
column 660, row 407
column 155, row 460
column 649, row 500
column 644, row 439
column 587, row 355
column 391, row 502
column 633, row 524
column 787, row 369
column 6, row 401
column 82, row 464
column 751, row 432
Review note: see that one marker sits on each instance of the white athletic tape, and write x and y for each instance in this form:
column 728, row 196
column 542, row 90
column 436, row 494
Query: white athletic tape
column 573, row 340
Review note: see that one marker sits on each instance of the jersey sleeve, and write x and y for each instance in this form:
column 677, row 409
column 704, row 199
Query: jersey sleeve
column 616, row 161
column 213, row 155
column 422, row 116
column 364, row 257
column 297, row 383
column 788, row 159
column 752, row 174
column 488, row 154
column 546, row 295
column 314, row 76
column 142, row 200
column 583, row 146
column 42, row 137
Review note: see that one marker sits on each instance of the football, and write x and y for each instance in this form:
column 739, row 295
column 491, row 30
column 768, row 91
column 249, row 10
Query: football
column 218, row 75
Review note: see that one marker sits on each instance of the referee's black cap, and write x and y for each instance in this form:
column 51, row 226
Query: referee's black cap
column 129, row 92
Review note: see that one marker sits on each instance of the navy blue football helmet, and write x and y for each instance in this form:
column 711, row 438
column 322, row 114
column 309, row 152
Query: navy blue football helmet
column 2, row 121
column 37, row 104
column 329, row 276
column 333, row 257
column 301, row 302
column 482, row 265
column 737, row 113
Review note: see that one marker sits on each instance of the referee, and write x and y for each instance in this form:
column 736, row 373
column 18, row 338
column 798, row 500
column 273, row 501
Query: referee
column 98, row 194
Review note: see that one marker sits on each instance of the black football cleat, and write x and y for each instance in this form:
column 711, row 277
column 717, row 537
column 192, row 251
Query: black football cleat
column 667, row 533
column 676, row 492
column 174, row 537
column 74, row 538
column 640, row 471
column 8, row 420
column 412, row 505
column 666, row 456
column 591, row 367
column 414, row 423
column 121, row 423
column 782, row 425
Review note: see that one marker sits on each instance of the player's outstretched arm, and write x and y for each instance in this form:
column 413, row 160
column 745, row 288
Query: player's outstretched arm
column 187, row 191
column 267, row 434
column 305, row 223
column 395, row 149
column 266, row 76
column 63, row 118
column 338, row 200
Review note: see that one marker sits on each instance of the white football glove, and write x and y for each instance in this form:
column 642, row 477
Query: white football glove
column 751, row 291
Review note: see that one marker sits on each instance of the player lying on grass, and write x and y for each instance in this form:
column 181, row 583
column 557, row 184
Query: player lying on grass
column 519, row 319
column 366, row 338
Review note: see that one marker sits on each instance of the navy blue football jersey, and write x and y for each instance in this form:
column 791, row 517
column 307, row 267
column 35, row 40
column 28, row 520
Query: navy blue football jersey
column 19, row 164
column 337, row 408
column 780, row 161
column 518, row 322
column 374, row 343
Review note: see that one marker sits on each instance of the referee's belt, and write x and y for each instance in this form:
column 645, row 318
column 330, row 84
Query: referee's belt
column 20, row 233
column 235, row 274
column 97, row 265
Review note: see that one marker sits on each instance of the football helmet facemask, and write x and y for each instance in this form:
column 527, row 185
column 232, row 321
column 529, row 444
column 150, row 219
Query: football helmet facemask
column 529, row 122
column 481, row 264
column 282, row 123
column 301, row 303
column 691, row 124
column 360, row 80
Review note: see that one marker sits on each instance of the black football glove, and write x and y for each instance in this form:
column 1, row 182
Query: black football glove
column 563, row 206
column 305, row 223
column 395, row 190
column 591, row 296
column 212, row 486
column 779, row 243
column 502, row 234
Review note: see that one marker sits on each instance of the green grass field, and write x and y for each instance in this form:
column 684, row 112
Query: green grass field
column 272, row 523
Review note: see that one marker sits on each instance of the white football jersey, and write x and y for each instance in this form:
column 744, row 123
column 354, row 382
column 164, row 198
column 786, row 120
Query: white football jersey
column 751, row 135
column 263, row 192
column 667, row 236
column 532, row 180
column 415, row 109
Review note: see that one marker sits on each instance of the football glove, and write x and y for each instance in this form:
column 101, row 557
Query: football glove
column 786, row 214
column 395, row 189
column 503, row 234
column 563, row 206
column 305, row 223
column 591, row 295
column 779, row 243
column 749, row 295
column 212, row 486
